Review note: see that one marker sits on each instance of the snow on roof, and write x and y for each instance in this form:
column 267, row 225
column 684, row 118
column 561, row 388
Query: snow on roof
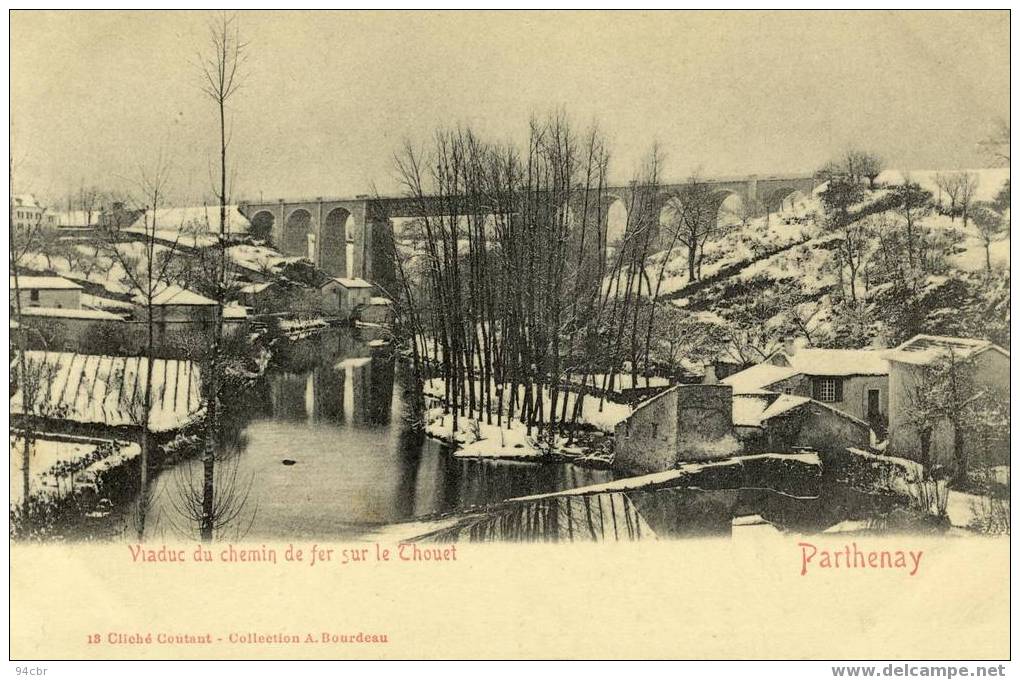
column 839, row 362
column 235, row 312
column 26, row 200
column 105, row 303
column 748, row 409
column 107, row 390
column 250, row 288
column 925, row 349
column 172, row 294
column 95, row 314
column 379, row 301
column 784, row 403
column 353, row 283
column 44, row 283
column 753, row 379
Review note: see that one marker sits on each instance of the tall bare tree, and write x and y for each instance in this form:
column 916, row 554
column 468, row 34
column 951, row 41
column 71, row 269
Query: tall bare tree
column 146, row 272
column 222, row 67
column 968, row 189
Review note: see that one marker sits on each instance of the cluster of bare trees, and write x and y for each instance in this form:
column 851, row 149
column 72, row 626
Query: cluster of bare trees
column 509, row 288
column 855, row 165
column 960, row 188
column 149, row 264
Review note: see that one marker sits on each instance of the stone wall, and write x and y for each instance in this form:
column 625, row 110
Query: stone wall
column 705, row 422
column 647, row 440
column 686, row 422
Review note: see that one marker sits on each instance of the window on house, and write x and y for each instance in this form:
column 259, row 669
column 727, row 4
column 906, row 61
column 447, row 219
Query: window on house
column 33, row 295
column 655, row 430
column 828, row 389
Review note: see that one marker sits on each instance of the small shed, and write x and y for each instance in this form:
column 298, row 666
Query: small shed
column 343, row 295
column 46, row 291
column 173, row 303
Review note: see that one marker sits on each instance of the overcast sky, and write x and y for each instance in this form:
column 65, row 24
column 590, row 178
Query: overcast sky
column 329, row 95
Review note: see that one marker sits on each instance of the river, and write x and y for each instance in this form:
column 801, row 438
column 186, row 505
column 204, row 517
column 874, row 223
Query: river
column 319, row 449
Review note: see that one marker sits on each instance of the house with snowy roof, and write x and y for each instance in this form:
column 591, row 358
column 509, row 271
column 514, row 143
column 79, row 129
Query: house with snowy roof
column 701, row 422
column 853, row 381
column 183, row 320
column 46, row 291
column 342, row 295
column 172, row 303
column 976, row 370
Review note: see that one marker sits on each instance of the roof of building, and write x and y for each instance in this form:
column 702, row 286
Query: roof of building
column 353, row 283
column 250, row 288
column 235, row 312
column 838, row 362
column 172, row 294
column 108, row 390
column 748, row 408
column 44, row 283
column 925, row 349
column 782, row 404
column 26, row 200
column 757, row 377
column 94, row 314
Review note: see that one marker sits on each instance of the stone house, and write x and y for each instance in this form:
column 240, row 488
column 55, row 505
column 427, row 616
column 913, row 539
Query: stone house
column 260, row 296
column 46, row 291
column 708, row 421
column 771, row 422
column 172, row 303
column 686, row 422
column 341, row 296
column 979, row 369
column 854, row 381
column 28, row 213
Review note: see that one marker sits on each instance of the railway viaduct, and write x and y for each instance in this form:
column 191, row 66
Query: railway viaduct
column 349, row 237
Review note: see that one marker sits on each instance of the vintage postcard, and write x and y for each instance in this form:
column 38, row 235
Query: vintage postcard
column 510, row 335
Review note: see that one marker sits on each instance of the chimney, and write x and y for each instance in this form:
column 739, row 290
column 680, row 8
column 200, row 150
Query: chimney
column 789, row 345
column 710, row 377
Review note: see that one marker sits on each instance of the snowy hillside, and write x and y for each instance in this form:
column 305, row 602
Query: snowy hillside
column 786, row 276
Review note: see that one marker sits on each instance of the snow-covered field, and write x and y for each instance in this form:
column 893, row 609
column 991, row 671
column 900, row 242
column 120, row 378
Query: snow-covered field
column 50, row 462
column 258, row 258
column 476, row 439
column 605, row 419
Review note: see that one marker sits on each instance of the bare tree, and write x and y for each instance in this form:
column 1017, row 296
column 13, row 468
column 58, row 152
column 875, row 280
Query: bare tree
column 968, row 188
column 861, row 165
column 222, row 69
column 990, row 225
column 692, row 217
column 949, row 184
column 146, row 272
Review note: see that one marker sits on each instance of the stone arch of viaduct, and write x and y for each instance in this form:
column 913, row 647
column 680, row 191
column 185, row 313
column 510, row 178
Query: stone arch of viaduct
column 351, row 237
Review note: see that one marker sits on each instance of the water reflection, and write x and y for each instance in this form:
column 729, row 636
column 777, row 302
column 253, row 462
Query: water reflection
column 333, row 411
